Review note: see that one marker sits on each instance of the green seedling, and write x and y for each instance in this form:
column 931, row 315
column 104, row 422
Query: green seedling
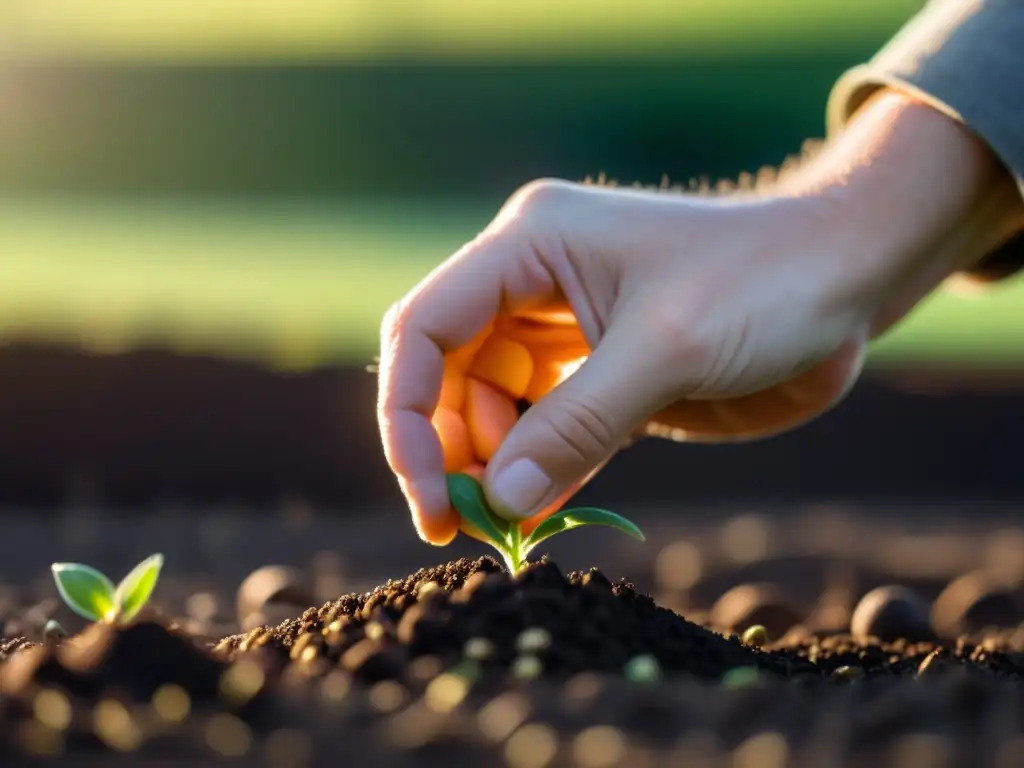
column 93, row 596
column 507, row 537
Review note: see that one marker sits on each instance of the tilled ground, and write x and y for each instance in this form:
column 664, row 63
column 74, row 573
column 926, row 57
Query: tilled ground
column 462, row 664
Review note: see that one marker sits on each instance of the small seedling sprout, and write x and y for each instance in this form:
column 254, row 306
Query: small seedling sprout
column 507, row 537
column 93, row 596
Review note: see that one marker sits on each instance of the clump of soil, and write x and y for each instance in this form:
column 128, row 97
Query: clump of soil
column 115, row 687
column 9, row 646
column 580, row 622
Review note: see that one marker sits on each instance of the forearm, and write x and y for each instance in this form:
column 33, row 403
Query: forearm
column 919, row 197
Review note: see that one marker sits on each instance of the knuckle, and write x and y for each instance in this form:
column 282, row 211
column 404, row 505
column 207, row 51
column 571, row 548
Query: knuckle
column 707, row 354
column 584, row 428
column 539, row 195
column 687, row 342
column 543, row 189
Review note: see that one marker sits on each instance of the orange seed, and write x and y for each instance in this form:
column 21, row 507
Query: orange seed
column 490, row 416
column 504, row 363
column 455, row 439
column 453, row 388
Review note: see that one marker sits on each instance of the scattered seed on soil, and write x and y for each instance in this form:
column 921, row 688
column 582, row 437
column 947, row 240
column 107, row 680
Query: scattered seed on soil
column 756, row 636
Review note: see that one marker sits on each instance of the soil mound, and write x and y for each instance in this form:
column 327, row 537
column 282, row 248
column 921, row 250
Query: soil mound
column 557, row 625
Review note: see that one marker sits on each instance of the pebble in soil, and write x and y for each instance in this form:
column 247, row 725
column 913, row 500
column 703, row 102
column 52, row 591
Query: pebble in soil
column 973, row 602
column 580, row 622
column 890, row 613
column 748, row 605
column 271, row 594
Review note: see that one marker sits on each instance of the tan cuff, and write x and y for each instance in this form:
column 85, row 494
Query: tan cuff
column 966, row 59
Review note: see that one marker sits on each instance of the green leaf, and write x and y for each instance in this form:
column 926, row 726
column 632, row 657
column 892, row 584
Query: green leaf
column 469, row 501
column 85, row 590
column 136, row 588
column 568, row 519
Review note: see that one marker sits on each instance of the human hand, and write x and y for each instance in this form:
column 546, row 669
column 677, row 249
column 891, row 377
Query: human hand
column 702, row 315
column 705, row 319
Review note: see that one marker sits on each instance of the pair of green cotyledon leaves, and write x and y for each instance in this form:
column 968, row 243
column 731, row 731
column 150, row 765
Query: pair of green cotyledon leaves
column 93, row 596
column 468, row 498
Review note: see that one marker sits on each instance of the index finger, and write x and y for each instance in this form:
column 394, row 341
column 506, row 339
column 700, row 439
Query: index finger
column 454, row 305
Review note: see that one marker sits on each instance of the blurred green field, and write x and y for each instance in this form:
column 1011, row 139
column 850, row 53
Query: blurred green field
column 304, row 284
column 329, row 29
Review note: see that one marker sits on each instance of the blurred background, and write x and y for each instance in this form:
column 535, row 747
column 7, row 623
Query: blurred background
column 207, row 205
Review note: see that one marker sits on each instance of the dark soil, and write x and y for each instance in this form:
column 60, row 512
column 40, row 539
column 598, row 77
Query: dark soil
column 586, row 624
column 461, row 664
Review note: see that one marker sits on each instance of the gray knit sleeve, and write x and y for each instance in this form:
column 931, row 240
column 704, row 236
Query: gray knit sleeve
column 965, row 58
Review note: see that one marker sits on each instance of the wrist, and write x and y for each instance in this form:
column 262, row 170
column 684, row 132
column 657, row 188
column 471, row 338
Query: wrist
column 914, row 196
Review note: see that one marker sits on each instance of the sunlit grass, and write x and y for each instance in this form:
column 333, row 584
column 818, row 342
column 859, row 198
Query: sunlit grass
column 304, row 284
column 980, row 327
column 184, row 29
column 296, row 284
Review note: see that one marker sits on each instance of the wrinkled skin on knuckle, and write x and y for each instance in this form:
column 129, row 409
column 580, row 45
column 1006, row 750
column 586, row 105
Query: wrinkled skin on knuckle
column 686, row 341
column 586, row 431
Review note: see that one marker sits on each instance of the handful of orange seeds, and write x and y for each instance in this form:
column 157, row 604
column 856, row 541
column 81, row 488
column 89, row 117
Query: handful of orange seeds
column 509, row 362
column 512, row 361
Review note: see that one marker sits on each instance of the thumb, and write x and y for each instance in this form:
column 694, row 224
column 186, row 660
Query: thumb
column 572, row 430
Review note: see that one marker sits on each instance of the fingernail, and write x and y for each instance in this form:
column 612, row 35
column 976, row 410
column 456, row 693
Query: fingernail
column 521, row 486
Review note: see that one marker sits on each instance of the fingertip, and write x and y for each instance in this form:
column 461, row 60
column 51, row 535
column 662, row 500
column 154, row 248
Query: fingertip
column 435, row 520
column 472, row 531
column 515, row 490
column 438, row 530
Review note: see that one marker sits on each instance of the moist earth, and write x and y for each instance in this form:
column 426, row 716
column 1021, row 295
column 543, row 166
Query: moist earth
column 463, row 664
